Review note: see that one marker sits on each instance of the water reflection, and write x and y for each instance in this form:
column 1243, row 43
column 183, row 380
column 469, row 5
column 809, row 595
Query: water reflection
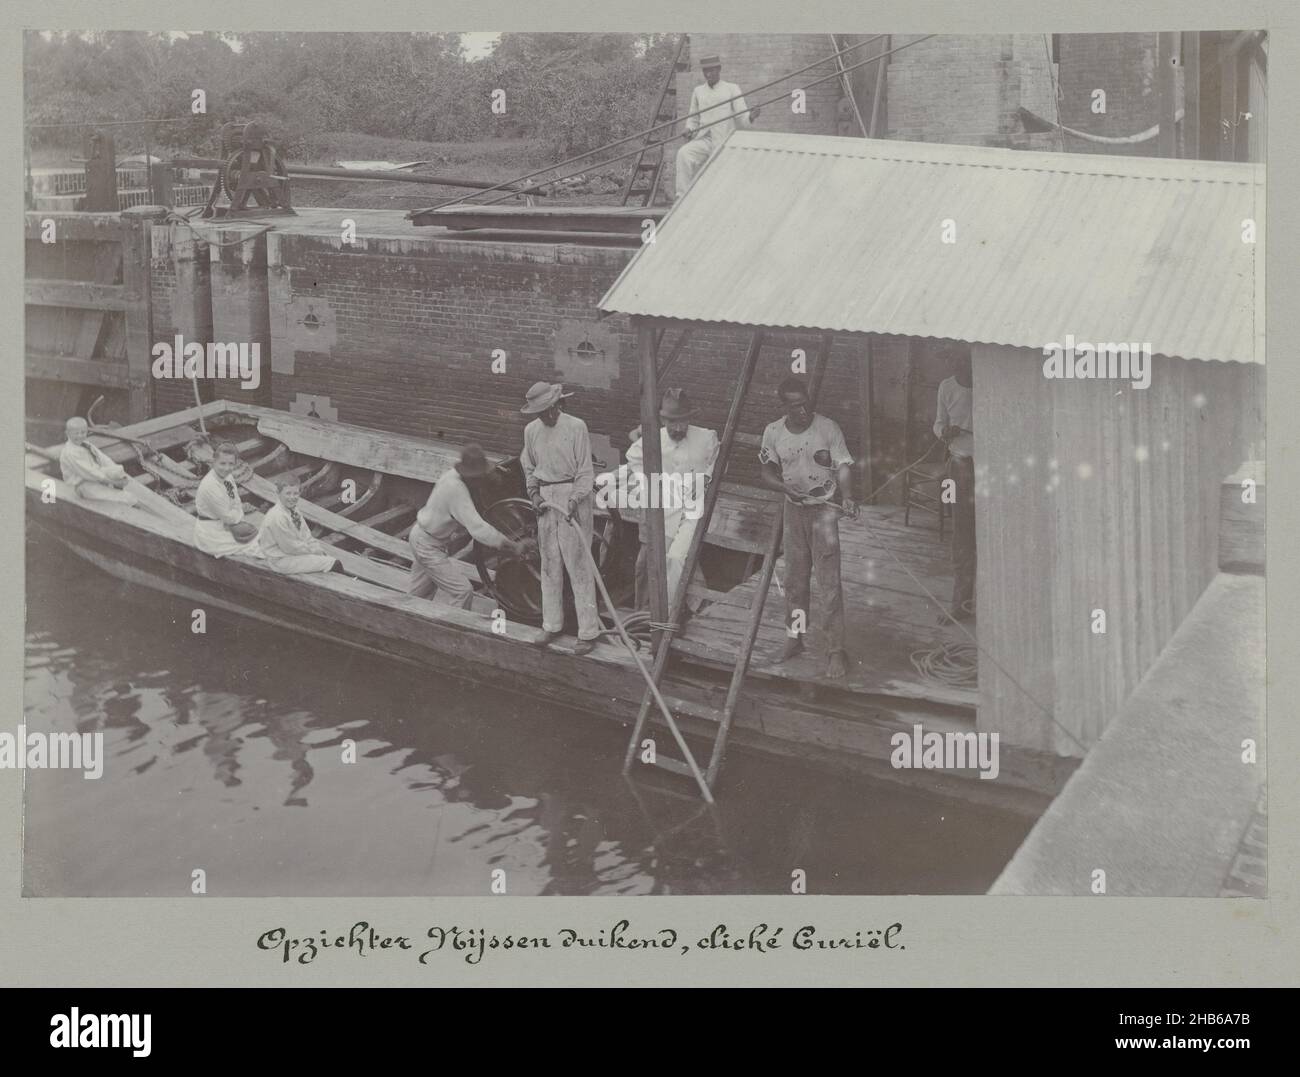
column 225, row 751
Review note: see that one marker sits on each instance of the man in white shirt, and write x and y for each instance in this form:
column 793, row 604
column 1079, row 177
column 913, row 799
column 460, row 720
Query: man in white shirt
column 955, row 425
column 689, row 453
column 441, row 528
column 560, row 479
column 715, row 97
column 804, row 456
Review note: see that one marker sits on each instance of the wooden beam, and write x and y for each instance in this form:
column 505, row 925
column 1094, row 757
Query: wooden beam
column 1167, row 87
column 877, row 107
column 136, row 263
column 662, row 653
column 81, row 294
column 618, row 220
column 667, row 364
column 652, row 456
column 770, row 554
column 866, row 403
column 103, row 372
column 1191, row 64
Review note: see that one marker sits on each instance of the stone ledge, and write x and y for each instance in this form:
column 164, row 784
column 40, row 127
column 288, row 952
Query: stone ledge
column 1163, row 799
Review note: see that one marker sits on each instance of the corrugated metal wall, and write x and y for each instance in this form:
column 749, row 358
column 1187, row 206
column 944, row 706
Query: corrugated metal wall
column 1129, row 526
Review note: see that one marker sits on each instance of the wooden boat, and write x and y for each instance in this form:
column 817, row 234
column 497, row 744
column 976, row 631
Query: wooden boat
column 361, row 490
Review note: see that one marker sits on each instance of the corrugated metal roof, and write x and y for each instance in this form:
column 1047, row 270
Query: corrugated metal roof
column 817, row 232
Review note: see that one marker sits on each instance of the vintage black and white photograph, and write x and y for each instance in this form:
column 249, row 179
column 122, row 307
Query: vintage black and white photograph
column 562, row 463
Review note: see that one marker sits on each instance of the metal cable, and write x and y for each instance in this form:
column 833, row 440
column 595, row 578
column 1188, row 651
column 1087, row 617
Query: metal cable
column 673, row 122
column 673, row 138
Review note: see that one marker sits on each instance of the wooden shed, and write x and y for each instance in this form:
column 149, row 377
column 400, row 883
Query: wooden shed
column 1096, row 496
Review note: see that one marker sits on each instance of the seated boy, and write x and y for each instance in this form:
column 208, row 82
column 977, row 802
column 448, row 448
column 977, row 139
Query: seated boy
column 89, row 471
column 286, row 541
column 221, row 528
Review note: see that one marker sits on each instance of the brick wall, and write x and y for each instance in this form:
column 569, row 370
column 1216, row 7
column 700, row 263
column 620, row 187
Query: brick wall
column 401, row 336
column 967, row 89
column 1124, row 65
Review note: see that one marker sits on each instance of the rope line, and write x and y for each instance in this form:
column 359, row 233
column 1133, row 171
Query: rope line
column 180, row 218
column 701, row 127
column 673, row 122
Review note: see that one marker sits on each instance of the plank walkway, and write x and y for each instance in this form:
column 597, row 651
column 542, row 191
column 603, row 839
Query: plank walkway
column 887, row 615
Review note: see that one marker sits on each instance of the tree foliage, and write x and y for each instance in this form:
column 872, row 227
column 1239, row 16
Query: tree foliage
column 573, row 91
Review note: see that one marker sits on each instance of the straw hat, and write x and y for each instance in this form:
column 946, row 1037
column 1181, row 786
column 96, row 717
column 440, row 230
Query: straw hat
column 712, row 60
column 543, row 395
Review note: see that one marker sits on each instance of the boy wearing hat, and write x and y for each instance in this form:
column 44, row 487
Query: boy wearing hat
column 712, row 100
column 688, row 454
column 560, row 479
column 442, row 526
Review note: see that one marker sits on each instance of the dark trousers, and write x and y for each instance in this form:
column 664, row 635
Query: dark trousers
column 812, row 544
column 961, row 469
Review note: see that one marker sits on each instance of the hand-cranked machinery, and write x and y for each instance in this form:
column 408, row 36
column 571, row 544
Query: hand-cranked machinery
column 252, row 167
column 516, row 582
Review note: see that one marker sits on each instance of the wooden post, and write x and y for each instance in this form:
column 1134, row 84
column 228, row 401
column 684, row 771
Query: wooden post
column 160, row 184
column 138, row 294
column 877, row 98
column 1191, row 64
column 1167, row 85
column 647, row 340
column 866, row 402
column 764, row 585
column 101, row 174
column 662, row 653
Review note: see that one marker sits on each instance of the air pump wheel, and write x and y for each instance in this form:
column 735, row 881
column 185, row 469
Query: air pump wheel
column 516, row 582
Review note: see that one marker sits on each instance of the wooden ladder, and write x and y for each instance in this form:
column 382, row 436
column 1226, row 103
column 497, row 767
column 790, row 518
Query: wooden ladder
column 770, row 552
column 653, row 154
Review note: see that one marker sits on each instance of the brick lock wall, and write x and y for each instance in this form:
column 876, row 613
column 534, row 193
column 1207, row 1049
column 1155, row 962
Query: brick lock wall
column 1124, row 65
column 403, row 340
column 399, row 335
column 967, row 89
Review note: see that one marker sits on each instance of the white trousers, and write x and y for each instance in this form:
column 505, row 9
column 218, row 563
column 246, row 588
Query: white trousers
column 561, row 546
column 302, row 562
column 435, row 574
column 691, row 157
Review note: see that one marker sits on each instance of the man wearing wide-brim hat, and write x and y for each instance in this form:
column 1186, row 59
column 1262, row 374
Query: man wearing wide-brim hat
column 560, row 479
column 689, row 453
column 712, row 100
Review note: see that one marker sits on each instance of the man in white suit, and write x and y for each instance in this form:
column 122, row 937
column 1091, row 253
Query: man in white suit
column 714, row 100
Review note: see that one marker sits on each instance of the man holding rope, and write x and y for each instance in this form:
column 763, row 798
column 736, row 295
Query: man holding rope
column 561, row 481
column 804, row 456
column 710, row 101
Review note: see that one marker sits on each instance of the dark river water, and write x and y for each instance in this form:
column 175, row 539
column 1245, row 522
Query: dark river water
column 223, row 752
